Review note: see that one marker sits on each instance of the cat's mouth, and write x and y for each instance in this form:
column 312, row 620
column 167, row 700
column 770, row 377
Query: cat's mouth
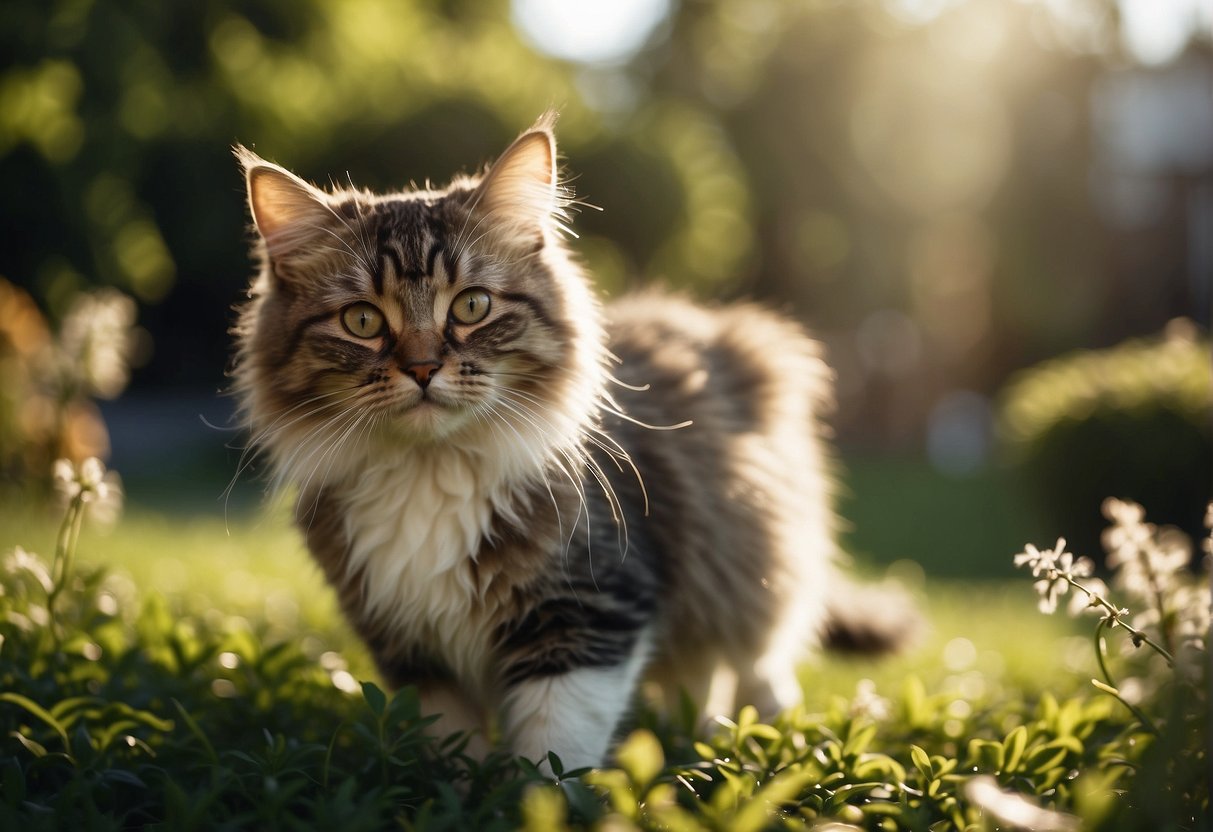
column 429, row 414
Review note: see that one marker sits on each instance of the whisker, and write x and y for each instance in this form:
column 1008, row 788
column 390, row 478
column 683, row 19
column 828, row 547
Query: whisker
column 256, row 444
column 608, row 490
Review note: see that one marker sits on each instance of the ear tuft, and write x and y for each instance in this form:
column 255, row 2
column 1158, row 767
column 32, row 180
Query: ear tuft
column 521, row 189
column 286, row 209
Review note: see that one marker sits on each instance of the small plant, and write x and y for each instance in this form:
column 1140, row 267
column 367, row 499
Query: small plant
column 1163, row 659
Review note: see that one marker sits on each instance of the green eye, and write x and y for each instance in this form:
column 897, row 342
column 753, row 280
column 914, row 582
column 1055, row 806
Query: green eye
column 362, row 320
column 470, row 306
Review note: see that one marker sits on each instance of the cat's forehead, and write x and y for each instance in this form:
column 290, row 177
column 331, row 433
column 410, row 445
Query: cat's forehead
column 409, row 215
column 402, row 241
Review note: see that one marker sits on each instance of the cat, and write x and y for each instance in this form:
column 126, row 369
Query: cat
column 527, row 502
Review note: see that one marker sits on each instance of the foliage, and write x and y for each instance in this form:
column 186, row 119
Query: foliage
column 853, row 161
column 121, row 711
column 1134, row 420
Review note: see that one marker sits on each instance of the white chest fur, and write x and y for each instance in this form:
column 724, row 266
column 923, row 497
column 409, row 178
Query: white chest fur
column 413, row 521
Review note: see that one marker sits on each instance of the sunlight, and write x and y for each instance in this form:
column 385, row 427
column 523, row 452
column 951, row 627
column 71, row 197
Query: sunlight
column 590, row 31
column 1155, row 31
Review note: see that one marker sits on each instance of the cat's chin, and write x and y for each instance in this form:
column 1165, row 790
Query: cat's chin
column 427, row 420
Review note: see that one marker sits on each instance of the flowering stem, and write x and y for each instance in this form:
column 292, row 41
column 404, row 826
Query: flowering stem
column 1110, row 687
column 1115, row 618
column 65, row 549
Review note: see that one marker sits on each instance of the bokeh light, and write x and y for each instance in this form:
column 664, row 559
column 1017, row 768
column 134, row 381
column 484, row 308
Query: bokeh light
column 589, row 31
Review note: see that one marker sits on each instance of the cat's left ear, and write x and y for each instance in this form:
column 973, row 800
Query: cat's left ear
column 521, row 191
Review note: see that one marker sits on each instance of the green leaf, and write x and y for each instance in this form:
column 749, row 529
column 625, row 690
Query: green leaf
column 197, row 732
column 913, row 700
column 1015, row 743
column 764, row 732
column 405, row 705
column 35, row 748
column 756, row 813
column 922, row 762
column 374, row 697
column 1041, row 760
column 858, row 741
column 986, row 755
column 37, row 710
column 641, row 757
column 544, row 808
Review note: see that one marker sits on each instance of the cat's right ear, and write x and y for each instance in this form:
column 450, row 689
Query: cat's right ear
column 286, row 210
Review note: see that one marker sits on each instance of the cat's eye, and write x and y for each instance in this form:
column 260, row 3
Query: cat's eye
column 470, row 306
column 362, row 320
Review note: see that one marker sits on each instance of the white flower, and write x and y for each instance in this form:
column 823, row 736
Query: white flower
column 1056, row 568
column 1070, row 567
column 1035, row 559
column 90, row 474
column 1128, row 533
column 66, row 483
column 1192, row 612
column 19, row 560
column 100, row 490
column 867, row 702
column 96, row 338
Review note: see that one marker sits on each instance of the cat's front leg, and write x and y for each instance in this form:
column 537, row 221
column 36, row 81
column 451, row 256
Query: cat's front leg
column 573, row 713
column 456, row 713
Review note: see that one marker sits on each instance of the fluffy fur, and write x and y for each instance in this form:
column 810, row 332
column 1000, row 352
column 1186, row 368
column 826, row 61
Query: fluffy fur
column 505, row 527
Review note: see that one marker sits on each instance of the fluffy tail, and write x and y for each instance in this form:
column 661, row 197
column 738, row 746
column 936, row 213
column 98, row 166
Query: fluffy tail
column 870, row 619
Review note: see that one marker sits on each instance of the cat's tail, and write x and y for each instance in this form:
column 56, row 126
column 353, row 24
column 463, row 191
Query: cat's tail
column 870, row 619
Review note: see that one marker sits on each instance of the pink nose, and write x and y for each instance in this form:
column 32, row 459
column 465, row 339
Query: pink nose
column 423, row 371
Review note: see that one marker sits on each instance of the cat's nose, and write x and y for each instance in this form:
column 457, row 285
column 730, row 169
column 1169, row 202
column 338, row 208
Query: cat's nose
column 422, row 371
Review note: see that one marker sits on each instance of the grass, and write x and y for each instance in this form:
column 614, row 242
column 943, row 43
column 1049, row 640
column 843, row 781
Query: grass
column 207, row 681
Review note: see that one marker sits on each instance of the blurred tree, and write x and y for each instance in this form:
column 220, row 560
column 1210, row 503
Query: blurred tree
column 917, row 181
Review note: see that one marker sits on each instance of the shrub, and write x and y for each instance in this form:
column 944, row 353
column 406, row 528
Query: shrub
column 1134, row 421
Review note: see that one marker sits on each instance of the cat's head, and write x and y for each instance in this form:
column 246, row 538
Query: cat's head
column 421, row 318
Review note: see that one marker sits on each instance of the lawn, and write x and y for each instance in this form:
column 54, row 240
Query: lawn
column 208, row 681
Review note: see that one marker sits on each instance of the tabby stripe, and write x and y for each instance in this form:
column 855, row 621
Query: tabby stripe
column 537, row 309
column 342, row 352
column 297, row 336
column 391, row 253
column 435, row 250
column 506, row 328
column 563, row 655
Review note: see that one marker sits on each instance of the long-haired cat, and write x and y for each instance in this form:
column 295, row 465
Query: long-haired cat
column 513, row 522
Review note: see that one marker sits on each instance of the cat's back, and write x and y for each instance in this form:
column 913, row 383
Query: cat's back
column 738, row 499
column 739, row 366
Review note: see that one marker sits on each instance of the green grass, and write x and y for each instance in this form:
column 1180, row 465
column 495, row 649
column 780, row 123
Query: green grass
column 199, row 686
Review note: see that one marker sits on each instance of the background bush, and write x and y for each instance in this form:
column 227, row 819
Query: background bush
column 1134, row 421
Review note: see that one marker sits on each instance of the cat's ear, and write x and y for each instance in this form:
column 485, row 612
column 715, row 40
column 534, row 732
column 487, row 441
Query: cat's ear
column 287, row 211
column 521, row 191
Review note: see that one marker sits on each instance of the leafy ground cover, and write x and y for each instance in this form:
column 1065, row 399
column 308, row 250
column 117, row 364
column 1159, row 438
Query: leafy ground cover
column 231, row 696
